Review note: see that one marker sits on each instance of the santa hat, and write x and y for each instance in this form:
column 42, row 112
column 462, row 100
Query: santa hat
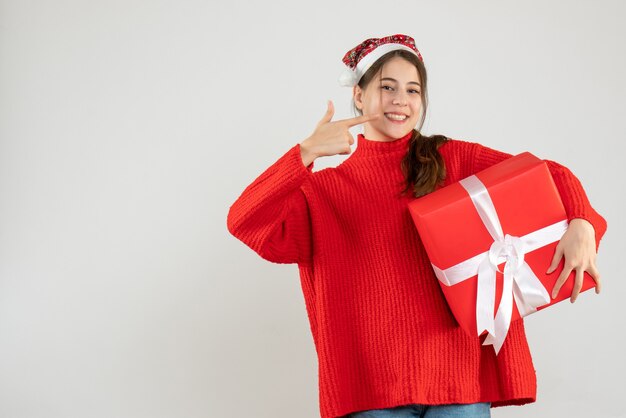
column 360, row 58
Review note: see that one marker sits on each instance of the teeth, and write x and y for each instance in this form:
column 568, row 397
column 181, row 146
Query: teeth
column 395, row 117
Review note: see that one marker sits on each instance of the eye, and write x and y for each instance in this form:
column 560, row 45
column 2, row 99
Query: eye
column 416, row 91
column 386, row 87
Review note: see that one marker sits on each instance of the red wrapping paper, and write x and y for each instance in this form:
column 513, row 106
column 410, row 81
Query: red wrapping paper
column 525, row 198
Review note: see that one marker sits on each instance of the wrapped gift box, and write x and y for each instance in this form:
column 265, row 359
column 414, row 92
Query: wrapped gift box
column 490, row 239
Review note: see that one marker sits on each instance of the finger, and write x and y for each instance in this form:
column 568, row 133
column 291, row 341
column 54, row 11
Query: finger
column 593, row 271
column 559, row 282
column 360, row 119
column 578, row 284
column 330, row 111
column 555, row 260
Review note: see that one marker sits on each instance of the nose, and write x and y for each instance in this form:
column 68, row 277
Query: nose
column 400, row 98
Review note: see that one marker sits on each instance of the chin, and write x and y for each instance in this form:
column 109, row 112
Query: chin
column 398, row 133
column 394, row 132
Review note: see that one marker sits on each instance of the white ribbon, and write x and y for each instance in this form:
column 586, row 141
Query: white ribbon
column 520, row 282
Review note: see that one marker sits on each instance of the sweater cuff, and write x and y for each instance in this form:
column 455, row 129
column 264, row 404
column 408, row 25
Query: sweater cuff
column 598, row 223
column 297, row 150
column 285, row 175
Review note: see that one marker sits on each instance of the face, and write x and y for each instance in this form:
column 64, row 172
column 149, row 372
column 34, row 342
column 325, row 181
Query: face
column 397, row 97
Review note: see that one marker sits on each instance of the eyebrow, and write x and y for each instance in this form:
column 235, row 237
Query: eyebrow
column 393, row 79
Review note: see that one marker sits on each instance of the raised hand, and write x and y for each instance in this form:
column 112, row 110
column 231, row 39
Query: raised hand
column 331, row 138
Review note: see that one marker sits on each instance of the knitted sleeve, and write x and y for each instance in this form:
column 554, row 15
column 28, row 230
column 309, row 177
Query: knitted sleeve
column 573, row 195
column 271, row 216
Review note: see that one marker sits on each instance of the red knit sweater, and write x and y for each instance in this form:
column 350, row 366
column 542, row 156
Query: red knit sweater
column 383, row 332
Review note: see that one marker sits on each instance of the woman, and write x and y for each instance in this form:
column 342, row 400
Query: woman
column 387, row 343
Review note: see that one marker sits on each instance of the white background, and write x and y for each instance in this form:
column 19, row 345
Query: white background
column 128, row 128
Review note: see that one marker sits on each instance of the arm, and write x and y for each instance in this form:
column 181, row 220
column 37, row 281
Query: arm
column 579, row 244
column 570, row 189
column 271, row 215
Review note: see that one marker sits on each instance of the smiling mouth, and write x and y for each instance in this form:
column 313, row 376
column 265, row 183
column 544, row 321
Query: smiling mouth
column 396, row 117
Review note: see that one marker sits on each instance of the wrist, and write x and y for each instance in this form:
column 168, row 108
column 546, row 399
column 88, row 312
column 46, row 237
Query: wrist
column 308, row 156
column 583, row 223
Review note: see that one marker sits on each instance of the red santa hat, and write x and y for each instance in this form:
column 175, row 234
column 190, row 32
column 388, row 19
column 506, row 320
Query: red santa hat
column 360, row 58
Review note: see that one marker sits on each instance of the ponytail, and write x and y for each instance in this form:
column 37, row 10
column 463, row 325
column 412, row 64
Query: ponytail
column 423, row 166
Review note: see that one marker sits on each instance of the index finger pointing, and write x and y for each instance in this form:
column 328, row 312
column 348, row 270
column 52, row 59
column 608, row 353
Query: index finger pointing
column 360, row 119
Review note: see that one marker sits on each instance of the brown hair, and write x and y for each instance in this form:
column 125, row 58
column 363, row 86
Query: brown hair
column 422, row 165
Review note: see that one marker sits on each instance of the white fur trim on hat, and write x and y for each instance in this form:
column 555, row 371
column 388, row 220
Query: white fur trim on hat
column 350, row 78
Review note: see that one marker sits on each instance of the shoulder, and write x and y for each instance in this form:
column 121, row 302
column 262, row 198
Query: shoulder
column 455, row 147
column 456, row 143
column 460, row 156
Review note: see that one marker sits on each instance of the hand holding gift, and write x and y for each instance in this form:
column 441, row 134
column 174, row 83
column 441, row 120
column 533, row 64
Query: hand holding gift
column 578, row 245
column 489, row 238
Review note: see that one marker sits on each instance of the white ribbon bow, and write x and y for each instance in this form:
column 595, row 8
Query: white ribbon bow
column 520, row 282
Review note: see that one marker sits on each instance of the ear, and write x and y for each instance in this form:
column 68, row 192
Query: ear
column 357, row 93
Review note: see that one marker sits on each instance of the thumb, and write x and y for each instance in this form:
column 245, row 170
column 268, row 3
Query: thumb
column 330, row 111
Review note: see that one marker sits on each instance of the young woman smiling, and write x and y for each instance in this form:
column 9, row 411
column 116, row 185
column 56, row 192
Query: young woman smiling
column 387, row 343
